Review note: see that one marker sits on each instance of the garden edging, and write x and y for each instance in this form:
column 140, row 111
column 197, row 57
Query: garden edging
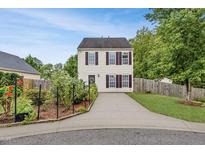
column 47, row 120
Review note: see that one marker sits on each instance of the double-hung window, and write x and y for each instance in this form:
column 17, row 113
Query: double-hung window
column 112, row 81
column 125, row 58
column 112, row 58
column 91, row 58
column 125, row 81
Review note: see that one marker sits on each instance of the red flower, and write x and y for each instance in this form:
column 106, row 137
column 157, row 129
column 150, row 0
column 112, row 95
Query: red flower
column 11, row 88
column 20, row 82
column 8, row 94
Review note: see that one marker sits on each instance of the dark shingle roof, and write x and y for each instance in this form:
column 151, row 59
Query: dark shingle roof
column 11, row 62
column 120, row 42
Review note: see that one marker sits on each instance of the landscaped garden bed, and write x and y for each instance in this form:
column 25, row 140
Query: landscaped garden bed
column 170, row 106
column 66, row 97
column 51, row 111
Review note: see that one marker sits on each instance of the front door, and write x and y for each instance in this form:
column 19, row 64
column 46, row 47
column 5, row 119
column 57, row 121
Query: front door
column 91, row 78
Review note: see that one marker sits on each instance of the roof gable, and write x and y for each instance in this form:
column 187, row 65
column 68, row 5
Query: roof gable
column 120, row 42
column 12, row 62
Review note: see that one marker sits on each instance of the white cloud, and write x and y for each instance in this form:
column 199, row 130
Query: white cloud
column 74, row 22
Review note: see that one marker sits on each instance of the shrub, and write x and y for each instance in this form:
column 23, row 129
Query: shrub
column 64, row 82
column 33, row 94
column 93, row 91
column 7, row 89
column 80, row 91
column 24, row 106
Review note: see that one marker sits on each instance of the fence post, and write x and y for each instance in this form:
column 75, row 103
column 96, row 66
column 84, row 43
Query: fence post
column 84, row 98
column 15, row 97
column 73, row 98
column 39, row 101
column 89, row 91
column 57, row 102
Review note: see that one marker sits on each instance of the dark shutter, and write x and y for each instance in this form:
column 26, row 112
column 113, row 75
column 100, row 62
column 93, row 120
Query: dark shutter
column 130, row 81
column 130, row 58
column 96, row 58
column 117, row 58
column 120, row 58
column 107, row 81
column 120, row 81
column 86, row 58
column 107, row 58
column 117, row 81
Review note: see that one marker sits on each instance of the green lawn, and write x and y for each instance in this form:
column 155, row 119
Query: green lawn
column 169, row 106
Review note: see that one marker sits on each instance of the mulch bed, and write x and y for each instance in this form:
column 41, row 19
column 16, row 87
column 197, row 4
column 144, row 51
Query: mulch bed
column 191, row 103
column 4, row 119
column 50, row 112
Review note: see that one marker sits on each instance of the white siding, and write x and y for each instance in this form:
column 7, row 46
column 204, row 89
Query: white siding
column 101, row 70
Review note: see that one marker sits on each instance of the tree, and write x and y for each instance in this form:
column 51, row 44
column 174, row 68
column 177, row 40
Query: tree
column 71, row 66
column 58, row 66
column 34, row 62
column 183, row 33
column 46, row 71
column 142, row 44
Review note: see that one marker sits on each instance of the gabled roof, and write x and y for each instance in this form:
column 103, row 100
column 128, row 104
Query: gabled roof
column 12, row 62
column 108, row 42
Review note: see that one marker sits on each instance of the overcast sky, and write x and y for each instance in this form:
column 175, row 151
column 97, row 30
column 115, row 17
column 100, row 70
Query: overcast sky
column 52, row 35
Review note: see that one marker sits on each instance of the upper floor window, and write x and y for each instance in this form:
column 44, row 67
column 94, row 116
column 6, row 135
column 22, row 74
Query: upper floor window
column 112, row 58
column 91, row 58
column 125, row 58
column 112, row 81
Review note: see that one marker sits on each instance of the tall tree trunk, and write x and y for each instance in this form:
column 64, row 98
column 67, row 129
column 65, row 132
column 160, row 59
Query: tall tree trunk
column 188, row 90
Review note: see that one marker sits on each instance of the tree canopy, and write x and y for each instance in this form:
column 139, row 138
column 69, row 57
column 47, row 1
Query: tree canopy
column 175, row 48
column 71, row 66
column 34, row 62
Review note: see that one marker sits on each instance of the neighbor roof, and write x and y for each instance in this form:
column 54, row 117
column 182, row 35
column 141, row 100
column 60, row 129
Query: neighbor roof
column 108, row 42
column 12, row 62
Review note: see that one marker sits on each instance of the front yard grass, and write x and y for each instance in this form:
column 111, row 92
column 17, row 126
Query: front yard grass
column 170, row 106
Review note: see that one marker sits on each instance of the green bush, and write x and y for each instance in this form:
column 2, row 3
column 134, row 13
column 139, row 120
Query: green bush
column 93, row 91
column 33, row 94
column 64, row 82
column 24, row 106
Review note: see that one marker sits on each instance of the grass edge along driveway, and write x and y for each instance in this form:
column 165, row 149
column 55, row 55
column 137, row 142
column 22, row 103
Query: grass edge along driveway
column 169, row 106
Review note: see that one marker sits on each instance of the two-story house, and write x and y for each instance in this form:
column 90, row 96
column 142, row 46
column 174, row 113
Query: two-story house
column 108, row 62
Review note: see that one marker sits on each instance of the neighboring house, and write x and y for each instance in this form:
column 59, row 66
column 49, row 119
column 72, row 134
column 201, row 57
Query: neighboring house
column 13, row 64
column 108, row 62
column 166, row 80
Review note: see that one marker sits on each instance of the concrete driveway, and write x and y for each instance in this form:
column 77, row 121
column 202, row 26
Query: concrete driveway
column 111, row 110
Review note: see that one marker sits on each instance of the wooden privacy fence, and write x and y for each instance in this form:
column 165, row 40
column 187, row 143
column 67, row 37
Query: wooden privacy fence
column 31, row 84
column 152, row 86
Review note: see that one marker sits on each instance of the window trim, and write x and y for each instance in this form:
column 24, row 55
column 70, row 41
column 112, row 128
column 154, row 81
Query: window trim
column 89, row 58
column 114, row 80
column 123, row 81
column 122, row 62
column 114, row 55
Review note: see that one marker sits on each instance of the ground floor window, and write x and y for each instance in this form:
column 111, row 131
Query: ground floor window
column 125, row 81
column 112, row 81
